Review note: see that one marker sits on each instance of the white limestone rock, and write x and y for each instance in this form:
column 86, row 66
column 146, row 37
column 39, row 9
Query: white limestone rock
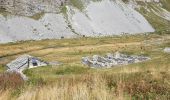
column 167, row 50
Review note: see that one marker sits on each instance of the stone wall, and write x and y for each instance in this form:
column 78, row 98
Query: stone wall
column 111, row 60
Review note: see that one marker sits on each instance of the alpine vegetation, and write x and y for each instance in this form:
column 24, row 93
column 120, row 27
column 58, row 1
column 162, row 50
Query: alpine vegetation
column 84, row 49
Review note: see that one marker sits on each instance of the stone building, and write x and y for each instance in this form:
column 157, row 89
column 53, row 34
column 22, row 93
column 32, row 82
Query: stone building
column 25, row 62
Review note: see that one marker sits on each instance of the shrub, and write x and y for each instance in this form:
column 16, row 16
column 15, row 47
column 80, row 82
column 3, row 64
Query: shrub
column 10, row 80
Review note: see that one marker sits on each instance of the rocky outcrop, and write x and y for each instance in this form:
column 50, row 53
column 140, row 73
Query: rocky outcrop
column 111, row 60
column 56, row 19
column 31, row 7
column 50, row 26
column 100, row 18
column 106, row 18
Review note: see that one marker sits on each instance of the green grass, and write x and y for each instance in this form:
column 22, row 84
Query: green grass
column 4, row 13
column 78, row 4
column 145, row 80
column 37, row 16
column 161, row 25
column 165, row 4
column 2, row 68
column 140, row 81
column 71, row 70
column 64, row 10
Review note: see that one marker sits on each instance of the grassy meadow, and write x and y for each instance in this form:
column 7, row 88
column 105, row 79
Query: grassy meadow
column 72, row 80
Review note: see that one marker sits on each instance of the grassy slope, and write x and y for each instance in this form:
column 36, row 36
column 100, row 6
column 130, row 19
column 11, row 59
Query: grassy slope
column 166, row 4
column 160, row 24
column 73, row 80
column 78, row 4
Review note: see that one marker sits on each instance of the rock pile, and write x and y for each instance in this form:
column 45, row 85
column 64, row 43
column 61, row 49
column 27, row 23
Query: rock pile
column 112, row 60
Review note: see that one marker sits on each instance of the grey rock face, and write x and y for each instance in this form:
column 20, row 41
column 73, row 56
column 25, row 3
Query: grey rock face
column 112, row 60
column 31, row 7
column 44, row 19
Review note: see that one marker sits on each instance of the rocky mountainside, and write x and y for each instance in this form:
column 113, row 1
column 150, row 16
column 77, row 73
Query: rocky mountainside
column 48, row 19
column 31, row 7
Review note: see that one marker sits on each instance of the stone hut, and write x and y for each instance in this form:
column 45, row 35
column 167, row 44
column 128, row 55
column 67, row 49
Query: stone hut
column 25, row 62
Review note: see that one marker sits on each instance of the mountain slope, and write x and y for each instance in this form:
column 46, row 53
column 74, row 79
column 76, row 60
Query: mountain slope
column 76, row 18
column 157, row 13
column 108, row 18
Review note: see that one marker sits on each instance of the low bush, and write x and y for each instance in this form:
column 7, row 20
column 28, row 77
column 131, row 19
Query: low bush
column 10, row 80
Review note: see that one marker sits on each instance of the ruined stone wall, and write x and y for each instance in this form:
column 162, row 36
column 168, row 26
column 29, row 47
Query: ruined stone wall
column 31, row 7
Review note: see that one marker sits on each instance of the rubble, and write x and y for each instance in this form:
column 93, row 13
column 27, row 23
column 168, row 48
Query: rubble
column 111, row 60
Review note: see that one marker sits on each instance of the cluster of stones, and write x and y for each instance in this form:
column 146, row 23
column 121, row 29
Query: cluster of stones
column 111, row 60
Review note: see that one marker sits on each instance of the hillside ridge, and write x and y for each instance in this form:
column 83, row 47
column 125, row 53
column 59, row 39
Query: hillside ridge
column 56, row 19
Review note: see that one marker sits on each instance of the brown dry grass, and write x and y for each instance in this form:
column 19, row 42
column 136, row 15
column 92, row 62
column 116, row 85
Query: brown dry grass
column 10, row 80
column 102, row 87
column 74, row 81
column 5, row 95
column 85, row 87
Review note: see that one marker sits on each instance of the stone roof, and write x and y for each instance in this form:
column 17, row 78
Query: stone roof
column 31, row 7
column 24, row 62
